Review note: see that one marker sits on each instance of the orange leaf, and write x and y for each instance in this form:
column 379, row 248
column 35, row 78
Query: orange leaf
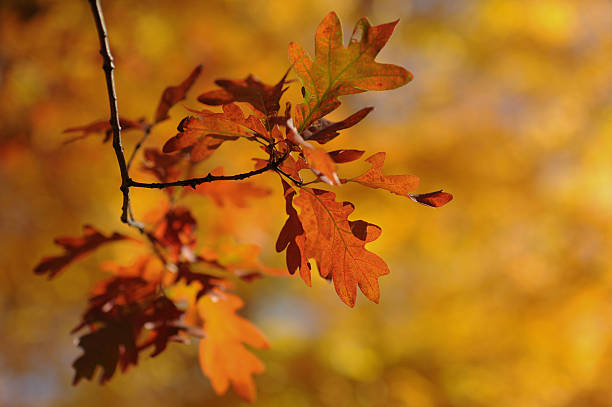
column 374, row 178
column 338, row 71
column 322, row 165
column 293, row 239
column 345, row 156
column 433, row 199
column 209, row 130
column 223, row 357
column 338, row 245
column 174, row 94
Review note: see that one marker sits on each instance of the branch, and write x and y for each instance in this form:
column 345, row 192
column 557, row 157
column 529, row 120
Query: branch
column 108, row 67
column 193, row 182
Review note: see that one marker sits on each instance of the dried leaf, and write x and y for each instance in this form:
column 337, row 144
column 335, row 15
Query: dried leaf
column 338, row 249
column 163, row 166
column 374, row 178
column 176, row 231
column 174, row 94
column 345, row 156
column 293, row 238
column 223, row 356
column 209, row 130
column 433, row 199
column 264, row 98
column 104, row 126
column 75, row 248
column 323, row 130
column 338, row 71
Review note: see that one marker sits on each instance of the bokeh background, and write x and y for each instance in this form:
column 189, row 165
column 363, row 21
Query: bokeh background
column 501, row 298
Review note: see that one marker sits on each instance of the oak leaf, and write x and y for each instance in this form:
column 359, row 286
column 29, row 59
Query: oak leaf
column 223, row 356
column 174, row 94
column 262, row 97
column 103, row 126
column 338, row 249
column 292, row 238
column 176, row 231
column 433, row 199
column 323, row 131
column 205, row 133
column 345, row 156
column 163, row 166
column 374, row 178
column 338, row 70
column 75, row 248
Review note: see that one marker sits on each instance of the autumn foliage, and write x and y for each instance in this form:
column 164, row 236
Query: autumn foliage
column 182, row 289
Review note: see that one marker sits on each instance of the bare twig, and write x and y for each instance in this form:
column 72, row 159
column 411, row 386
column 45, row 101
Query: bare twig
column 108, row 67
column 144, row 137
column 192, row 182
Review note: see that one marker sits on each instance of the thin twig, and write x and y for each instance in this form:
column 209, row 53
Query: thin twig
column 192, row 182
column 138, row 145
column 295, row 181
column 108, row 67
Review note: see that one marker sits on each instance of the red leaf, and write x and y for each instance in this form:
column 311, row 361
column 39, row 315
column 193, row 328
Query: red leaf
column 174, row 94
column 293, row 238
column 323, row 130
column 209, row 130
column 345, row 156
column 163, row 166
column 264, row 98
column 176, row 231
column 433, row 199
column 75, row 249
column 104, row 126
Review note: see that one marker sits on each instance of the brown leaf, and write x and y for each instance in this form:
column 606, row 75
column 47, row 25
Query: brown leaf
column 174, row 94
column 209, row 130
column 223, row 356
column 75, row 248
column 338, row 245
column 293, row 238
column 345, row 156
column 163, row 166
column 264, row 98
column 104, row 126
column 433, row 199
column 374, row 178
column 323, row 130
column 176, row 231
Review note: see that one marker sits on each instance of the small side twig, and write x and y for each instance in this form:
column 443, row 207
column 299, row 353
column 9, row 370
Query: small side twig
column 193, row 182
column 139, row 144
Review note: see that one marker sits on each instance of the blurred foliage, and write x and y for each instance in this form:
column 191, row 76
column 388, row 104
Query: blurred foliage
column 504, row 297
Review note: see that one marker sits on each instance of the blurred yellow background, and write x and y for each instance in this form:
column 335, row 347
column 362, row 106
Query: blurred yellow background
column 501, row 298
